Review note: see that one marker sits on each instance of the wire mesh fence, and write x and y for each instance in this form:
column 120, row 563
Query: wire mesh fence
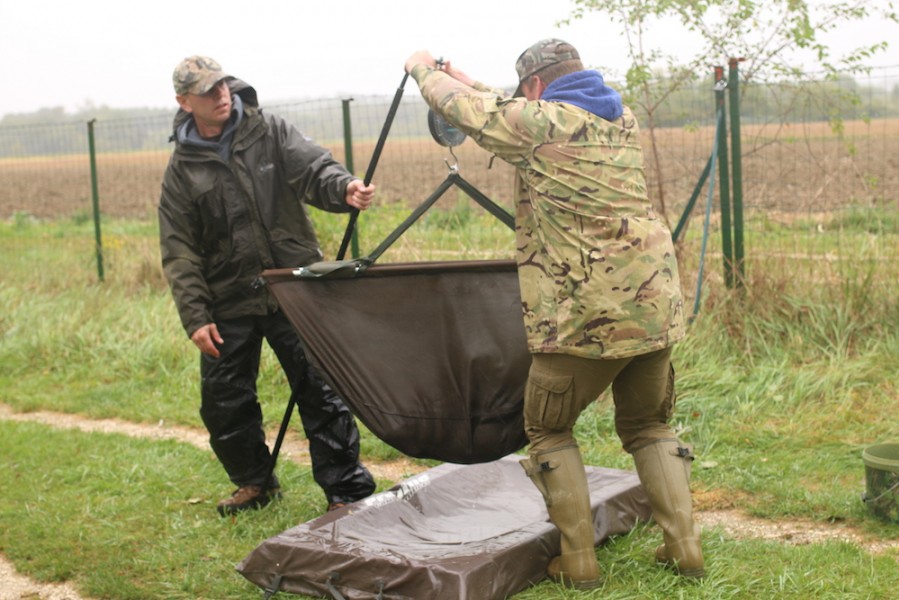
column 820, row 165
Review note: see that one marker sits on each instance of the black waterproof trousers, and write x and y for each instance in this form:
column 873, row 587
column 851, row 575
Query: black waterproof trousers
column 232, row 414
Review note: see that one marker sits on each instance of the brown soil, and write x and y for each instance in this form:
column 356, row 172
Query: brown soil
column 787, row 170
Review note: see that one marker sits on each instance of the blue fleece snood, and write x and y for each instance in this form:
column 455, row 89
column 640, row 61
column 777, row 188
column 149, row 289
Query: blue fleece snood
column 587, row 90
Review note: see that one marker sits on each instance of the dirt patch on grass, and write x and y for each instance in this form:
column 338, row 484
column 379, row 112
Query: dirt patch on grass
column 733, row 522
column 293, row 448
column 797, row 532
column 18, row 587
column 716, row 509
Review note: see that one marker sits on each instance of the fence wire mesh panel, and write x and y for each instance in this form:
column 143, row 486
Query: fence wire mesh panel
column 820, row 173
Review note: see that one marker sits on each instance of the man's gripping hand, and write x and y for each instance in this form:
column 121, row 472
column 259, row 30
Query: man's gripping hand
column 359, row 195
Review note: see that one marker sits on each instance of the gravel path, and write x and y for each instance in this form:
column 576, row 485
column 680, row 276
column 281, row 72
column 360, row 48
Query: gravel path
column 17, row 587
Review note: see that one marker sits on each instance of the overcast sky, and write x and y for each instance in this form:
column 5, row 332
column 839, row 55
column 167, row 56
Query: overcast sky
column 121, row 53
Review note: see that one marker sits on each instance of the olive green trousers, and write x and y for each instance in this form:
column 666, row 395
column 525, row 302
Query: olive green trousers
column 561, row 386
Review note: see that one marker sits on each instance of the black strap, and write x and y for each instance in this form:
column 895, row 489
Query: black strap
column 335, row 593
column 273, row 588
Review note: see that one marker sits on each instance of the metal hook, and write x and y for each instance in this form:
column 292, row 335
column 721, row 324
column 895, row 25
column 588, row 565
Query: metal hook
column 453, row 168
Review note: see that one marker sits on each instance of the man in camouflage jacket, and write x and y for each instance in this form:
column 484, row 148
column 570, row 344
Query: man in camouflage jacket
column 599, row 282
column 233, row 204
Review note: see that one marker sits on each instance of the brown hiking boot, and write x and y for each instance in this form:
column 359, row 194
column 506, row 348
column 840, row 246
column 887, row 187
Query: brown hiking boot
column 247, row 497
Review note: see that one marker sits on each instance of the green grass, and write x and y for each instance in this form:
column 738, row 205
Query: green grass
column 780, row 388
column 133, row 519
column 130, row 519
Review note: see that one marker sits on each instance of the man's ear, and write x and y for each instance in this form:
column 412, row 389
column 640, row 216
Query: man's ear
column 184, row 104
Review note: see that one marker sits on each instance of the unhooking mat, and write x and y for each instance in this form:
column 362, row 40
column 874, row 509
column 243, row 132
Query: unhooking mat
column 476, row 532
column 431, row 357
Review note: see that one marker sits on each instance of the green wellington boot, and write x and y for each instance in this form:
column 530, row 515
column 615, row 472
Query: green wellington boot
column 663, row 468
column 560, row 477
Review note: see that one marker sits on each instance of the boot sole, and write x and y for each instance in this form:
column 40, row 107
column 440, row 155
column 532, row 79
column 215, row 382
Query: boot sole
column 225, row 510
column 589, row 584
column 697, row 573
column 694, row 573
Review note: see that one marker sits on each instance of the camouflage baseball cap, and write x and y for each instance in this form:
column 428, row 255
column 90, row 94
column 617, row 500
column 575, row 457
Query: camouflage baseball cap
column 541, row 55
column 197, row 75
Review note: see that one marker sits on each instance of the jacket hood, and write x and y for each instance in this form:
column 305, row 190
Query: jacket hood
column 587, row 90
column 239, row 87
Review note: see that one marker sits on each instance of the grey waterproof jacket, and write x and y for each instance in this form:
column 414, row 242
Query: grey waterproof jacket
column 221, row 223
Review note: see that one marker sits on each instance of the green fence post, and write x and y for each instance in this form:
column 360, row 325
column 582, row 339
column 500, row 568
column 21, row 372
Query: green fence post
column 348, row 152
column 724, row 182
column 95, row 195
column 733, row 87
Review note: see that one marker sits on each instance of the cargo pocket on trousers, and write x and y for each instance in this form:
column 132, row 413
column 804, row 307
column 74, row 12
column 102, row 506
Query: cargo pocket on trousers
column 549, row 401
column 670, row 395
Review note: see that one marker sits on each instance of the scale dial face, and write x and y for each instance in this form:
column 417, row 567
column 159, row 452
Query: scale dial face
column 442, row 132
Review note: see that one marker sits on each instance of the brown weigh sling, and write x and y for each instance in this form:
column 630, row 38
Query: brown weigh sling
column 430, row 356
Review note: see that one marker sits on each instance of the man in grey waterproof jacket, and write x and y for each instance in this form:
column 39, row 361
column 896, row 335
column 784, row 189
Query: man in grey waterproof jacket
column 232, row 205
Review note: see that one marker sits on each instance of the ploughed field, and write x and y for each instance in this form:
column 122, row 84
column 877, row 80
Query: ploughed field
column 786, row 169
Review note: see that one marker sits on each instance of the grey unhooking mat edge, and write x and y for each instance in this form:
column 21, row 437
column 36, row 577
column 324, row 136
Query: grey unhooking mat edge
column 455, row 531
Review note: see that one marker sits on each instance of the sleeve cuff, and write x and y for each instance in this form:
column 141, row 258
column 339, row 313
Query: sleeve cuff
column 419, row 71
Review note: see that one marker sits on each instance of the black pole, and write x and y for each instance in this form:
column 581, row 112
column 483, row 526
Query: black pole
column 348, row 161
column 95, row 196
column 281, row 433
column 354, row 214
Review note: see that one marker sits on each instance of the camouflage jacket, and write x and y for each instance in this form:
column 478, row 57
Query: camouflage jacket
column 222, row 222
column 597, row 269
